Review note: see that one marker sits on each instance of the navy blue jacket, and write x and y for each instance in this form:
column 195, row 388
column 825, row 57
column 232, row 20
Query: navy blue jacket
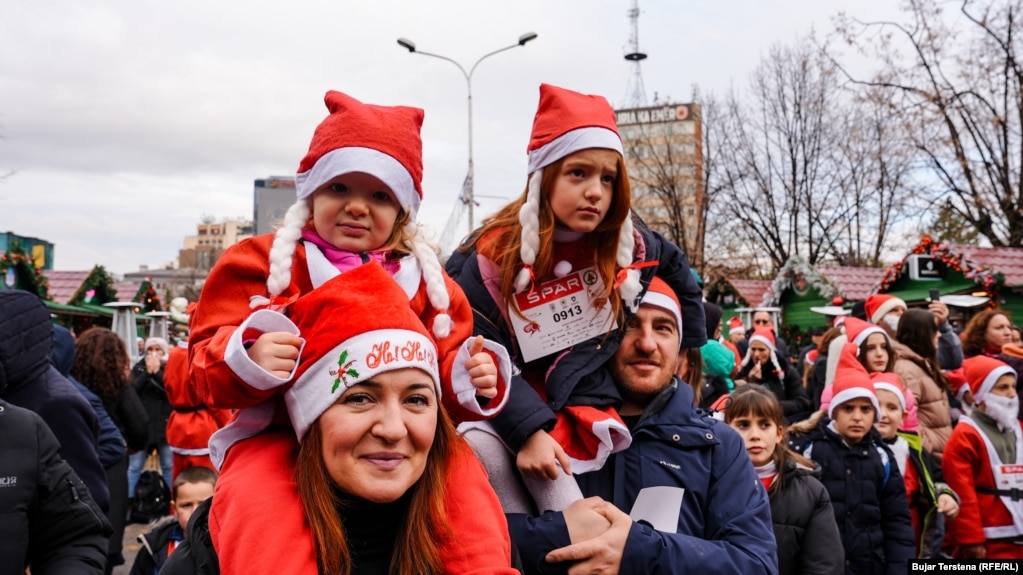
column 724, row 524
column 111, row 444
column 31, row 381
column 578, row 376
column 868, row 496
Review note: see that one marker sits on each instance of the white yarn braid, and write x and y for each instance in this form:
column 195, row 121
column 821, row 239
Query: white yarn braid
column 529, row 219
column 433, row 275
column 629, row 289
column 282, row 251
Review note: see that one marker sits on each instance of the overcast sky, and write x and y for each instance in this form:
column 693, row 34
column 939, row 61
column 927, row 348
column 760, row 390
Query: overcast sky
column 123, row 122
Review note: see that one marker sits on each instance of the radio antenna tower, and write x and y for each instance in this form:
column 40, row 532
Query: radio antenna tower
column 636, row 93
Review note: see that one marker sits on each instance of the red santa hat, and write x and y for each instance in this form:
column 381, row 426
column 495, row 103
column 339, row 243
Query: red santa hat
column 982, row 372
column 661, row 295
column 851, row 382
column 382, row 141
column 811, row 357
column 567, row 122
column 764, row 335
column 375, row 331
column 878, row 305
column 735, row 326
column 857, row 331
column 890, row 382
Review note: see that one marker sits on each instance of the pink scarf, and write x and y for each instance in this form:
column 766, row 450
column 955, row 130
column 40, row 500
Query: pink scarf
column 345, row 260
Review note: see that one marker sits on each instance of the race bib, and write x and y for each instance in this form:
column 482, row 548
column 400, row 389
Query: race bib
column 1009, row 477
column 561, row 313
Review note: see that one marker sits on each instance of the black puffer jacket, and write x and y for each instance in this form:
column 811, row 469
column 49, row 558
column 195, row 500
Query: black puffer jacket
column 868, row 496
column 31, row 382
column 804, row 525
column 48, row 520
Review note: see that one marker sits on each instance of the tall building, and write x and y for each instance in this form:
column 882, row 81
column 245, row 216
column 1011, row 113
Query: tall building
column 664, row 156
column 271, row 198
column 202, row 250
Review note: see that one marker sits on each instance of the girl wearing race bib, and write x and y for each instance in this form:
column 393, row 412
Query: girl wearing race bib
column 553, row 276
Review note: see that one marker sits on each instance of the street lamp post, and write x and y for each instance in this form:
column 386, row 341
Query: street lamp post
column 411, row 47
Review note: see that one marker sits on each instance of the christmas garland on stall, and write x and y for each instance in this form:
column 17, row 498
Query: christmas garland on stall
column 986, row 278
column 23, row 264
column 793, row 268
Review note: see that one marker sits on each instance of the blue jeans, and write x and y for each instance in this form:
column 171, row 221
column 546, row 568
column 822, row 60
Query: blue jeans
column 137, row 462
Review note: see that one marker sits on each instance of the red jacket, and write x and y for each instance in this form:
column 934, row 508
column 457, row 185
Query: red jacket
column 966, row 467
column 258, row 526
column 242, row 272
column 191, row 423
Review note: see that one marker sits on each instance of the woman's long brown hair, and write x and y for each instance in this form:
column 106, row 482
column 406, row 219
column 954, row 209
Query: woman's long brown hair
column 505, row 231
column 974, row 336
column 101, row 360
column 415, row 551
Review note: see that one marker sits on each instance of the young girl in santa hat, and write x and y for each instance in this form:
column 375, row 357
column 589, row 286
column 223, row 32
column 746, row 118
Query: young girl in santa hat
column 804, row 522
column 984, row 464
column 867, row 491
column 554, row 275
column 761, row 366
column 930, row 500
column 358, row 191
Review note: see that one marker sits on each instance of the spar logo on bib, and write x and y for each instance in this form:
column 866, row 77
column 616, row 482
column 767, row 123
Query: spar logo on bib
column 549, row 291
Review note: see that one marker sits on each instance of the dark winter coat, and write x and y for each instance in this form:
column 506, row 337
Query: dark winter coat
column 804, row 525
column 724, row 524
column 29, row 380
column 151, row 391
column 153, row 546
column 111, row 442
column 48, row 520
column 131, row 418
column 868, row 496
column 578, row 376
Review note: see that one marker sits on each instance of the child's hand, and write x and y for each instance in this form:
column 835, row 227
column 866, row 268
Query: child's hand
column 947, row 506
column 539, row 457
column 276, row 352
column 482, row 370
column 973, row 551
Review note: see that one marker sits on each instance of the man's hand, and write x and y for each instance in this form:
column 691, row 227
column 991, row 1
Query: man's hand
column 481, row 369
column 947, row 506
column 940, row 312
column 601, row 554
column 539, row 457
column 583, row 521
column 276, row 352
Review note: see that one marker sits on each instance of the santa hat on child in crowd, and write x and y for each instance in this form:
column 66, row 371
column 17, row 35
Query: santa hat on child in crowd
column 735, row 326
column 878, row 305
column 764, row 335
column 851, row 382
column 382, row 141
column 567, row 122
column 982, row 372
column 857, row 331
column 375, row 331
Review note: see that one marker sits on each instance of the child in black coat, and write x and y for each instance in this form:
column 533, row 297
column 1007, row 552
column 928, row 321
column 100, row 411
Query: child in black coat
column 191, row 487
column 861, row 475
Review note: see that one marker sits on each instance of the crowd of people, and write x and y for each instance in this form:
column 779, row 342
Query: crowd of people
column 555, row 397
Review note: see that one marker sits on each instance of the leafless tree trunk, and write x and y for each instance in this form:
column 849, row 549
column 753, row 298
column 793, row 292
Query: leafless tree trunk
column 956, row 87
